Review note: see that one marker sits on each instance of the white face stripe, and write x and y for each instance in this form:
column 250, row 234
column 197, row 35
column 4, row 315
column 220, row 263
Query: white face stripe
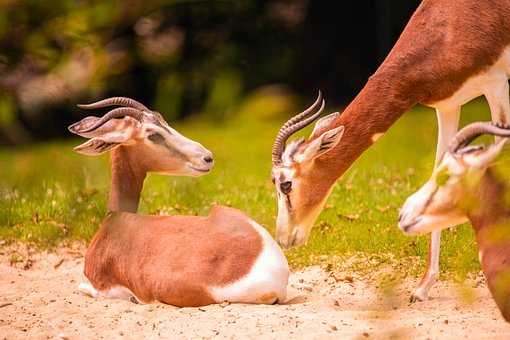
column 290, row 150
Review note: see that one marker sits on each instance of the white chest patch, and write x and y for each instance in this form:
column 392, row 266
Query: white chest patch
column 266, row 282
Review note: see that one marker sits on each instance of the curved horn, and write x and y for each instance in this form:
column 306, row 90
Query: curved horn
column 115, row 113
column 121, row 101
column 302, row 115
column 474, row 130
column 295, row 124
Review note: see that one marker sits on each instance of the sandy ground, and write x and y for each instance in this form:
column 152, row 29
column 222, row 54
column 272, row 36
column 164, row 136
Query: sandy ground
column 38, row 300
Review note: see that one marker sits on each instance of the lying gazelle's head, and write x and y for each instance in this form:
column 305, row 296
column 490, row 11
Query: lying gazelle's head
column 147, row 136
column 300, row 190
column 443, row 200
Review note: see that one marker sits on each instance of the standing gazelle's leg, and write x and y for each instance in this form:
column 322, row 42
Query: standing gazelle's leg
column 448, row 123
column 499, row 102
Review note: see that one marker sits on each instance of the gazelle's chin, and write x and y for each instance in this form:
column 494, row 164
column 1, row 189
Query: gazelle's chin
column 292, row 234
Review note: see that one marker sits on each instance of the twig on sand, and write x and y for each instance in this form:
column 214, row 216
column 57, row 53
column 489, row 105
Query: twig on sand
column 58, row 264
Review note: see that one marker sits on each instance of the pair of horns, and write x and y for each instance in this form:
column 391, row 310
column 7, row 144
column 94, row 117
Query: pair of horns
column 294, row 124
column 469, row 133
column 131, row 108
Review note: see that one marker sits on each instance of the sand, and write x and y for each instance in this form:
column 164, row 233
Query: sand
column 39, row 300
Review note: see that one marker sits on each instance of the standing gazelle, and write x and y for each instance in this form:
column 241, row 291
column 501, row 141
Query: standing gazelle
column 179, row 260
column 465, row 186
column 449, row 53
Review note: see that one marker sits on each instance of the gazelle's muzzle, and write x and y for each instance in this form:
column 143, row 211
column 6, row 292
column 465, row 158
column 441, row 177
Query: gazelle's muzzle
column 291, row 235
column 290, row 239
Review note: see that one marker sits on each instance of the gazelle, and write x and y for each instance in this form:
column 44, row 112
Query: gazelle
column 449, row 53
column 179, row 260
column 465, row 186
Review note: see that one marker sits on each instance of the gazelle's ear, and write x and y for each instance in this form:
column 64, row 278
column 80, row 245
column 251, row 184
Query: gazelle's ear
column 95, row 146
column 113, row 133
column 321, row 144
column 126, row 124
column 323, row 122
column 83, row 125
column 482, row 158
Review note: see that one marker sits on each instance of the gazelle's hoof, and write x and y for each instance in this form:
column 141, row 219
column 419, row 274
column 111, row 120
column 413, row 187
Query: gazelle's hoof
column 418, row 296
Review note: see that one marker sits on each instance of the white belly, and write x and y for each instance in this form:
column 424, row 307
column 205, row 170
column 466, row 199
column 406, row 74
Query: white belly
column 267, row 280
column 487, row 81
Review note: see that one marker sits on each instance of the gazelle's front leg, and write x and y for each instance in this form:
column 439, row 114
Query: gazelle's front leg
column 448, row 123
column 499, row 102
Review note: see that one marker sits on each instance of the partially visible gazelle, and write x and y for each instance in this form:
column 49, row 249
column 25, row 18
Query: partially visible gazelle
column 465, row 186
column 179, row 260
column 449, row 53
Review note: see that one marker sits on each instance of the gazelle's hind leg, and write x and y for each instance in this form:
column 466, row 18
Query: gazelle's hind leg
column 117, row 292
column 499, row 102
column 448, row 123
column 87, row 289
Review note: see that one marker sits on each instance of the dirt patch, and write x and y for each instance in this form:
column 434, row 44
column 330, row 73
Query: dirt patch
column 39, row 300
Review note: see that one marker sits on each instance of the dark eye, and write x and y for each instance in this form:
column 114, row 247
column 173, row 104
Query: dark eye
column 286, row 187
column 156, row 138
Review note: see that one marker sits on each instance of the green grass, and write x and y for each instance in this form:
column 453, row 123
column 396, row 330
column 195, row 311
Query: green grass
column 48, row 194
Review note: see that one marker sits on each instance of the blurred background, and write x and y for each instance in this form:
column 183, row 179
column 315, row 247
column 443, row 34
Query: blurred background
column 184, row 58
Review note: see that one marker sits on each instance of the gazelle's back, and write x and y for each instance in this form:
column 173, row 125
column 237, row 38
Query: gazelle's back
column 187, row 260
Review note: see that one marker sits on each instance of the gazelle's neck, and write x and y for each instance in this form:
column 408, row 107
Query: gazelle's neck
column 127, row 181
column 379, row 104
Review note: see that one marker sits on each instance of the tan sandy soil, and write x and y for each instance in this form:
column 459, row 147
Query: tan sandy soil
column 38, row 300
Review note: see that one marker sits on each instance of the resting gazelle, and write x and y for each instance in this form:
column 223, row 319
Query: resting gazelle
column 178, row 260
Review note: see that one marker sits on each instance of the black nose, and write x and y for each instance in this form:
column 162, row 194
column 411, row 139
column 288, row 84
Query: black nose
column 208, row 159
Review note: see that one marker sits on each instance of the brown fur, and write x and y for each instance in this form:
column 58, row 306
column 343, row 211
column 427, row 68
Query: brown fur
column 128, row 174
column 172, row 259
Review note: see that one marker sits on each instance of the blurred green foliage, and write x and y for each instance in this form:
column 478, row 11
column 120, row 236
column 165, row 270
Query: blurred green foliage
column 179, row 56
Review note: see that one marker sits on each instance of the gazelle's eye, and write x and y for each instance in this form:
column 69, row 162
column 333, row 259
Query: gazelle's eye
column 156, row 138
column 286, row 187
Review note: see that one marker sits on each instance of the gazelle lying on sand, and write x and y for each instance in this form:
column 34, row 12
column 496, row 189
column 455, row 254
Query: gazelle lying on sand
column 179, row 260
column 465, row 186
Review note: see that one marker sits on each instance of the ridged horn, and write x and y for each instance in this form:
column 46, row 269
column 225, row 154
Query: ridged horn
column 474, row 130
column 293, row 125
